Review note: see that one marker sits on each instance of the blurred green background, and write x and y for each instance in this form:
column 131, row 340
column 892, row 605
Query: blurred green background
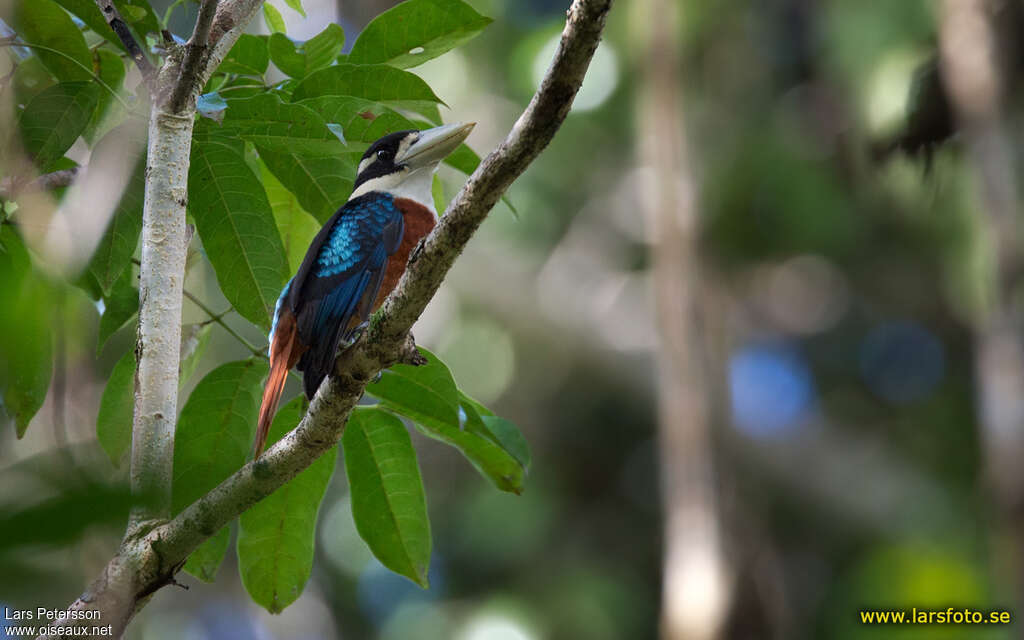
column 842, row 291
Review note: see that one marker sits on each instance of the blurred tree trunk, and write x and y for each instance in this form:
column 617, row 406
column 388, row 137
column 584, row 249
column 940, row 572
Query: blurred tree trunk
column 695, row 584
column 970, row 55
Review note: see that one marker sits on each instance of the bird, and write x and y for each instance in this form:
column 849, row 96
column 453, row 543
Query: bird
column 355, row 260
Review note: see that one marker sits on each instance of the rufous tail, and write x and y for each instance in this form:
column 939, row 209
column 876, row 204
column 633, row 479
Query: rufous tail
column 285, row 350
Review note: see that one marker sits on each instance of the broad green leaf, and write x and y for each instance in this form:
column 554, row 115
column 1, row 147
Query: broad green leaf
column 116, row 247
column 362, row 121
column 249, row 56
column 235, row 222
column 194, row 340
column 424, row 393
column 427, row 394
column 43, row 22
column 296, row 226
column 377, row 82
column 54, row 118
column 297, row 5
column 89, row 13
column 119, row 306
column 272, row 17
column 276, row 537
column 114, row 422
column 299, row 59
column 281, row 126
column 388, row 503
column 140, row 16
column 415, row 31
column 213, row 439
column 510, row 438
column 204, row 562
column 110, row 68
column 321, row 185
column 26, row 361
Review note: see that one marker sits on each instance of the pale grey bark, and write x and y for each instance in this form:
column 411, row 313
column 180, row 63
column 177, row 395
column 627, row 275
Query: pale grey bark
column 695, row 577
column 150, row 556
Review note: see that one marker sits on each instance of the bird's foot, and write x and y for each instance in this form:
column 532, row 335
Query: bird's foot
column 354, row 335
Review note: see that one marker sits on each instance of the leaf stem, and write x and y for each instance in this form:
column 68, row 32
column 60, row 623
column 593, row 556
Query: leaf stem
column 219, row 319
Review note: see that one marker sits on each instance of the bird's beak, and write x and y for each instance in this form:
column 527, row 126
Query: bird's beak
column 434, row 145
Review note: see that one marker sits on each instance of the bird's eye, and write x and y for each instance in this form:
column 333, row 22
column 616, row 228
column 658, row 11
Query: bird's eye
column 382, row 155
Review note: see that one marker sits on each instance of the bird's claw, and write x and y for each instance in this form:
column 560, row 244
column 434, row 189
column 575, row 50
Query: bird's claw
column 354, row 336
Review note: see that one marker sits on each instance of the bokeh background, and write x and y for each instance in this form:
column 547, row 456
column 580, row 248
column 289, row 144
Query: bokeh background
column 842, row 279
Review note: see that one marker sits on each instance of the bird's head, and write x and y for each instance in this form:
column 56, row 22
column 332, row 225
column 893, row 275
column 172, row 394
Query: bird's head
column 403, row 163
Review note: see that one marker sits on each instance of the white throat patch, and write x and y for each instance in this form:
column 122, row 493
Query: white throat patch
column 414, row 185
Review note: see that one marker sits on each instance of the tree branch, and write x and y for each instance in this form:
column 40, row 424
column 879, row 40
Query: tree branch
column 12, row 185
column 150, row 557
column 120, row 27
column 195, row 62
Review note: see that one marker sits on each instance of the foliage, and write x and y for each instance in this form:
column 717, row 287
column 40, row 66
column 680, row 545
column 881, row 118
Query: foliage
column 270, row 161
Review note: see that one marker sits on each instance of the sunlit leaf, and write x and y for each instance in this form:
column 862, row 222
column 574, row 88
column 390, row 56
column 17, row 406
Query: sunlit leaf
column 237, row 227
column 415, row 31
column 298, row 59
column 248, row 56
column 272, row 18
column 388, row 503
column 297, row 5
column 213, row 439
column 114, row 422
column 281, row 126
column 377, row 82
column 296, row 226
column 54, row 118
column 276, row 536
column 89, row 13
column 43, row 22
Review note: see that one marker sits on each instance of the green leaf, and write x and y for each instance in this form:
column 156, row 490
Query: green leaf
column 276, row 536
column 114, row 422
column 235, row 222
column 415, row 31
column 26, row 361
column 89, row 13
column 428, row 395
column 388, row 503
column 43, row 22
column 204, row 562
column 377, row 82
column 110, row 68
column 116, row 247
column 281, row 126
column 249, row 56
column 140, row 15
column 296, row 226
column 510, row 438
column 363, row 121
column 54, row 118
column 297, row 5
column 272, row 17
column 213, row 439
column 119, row 306
column 299, row 59
column 321, row 185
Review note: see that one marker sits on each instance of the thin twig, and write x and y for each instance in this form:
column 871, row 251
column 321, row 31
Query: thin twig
column 218, row 318
column 120, row 27
column 193, row 65
column 11, row 186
